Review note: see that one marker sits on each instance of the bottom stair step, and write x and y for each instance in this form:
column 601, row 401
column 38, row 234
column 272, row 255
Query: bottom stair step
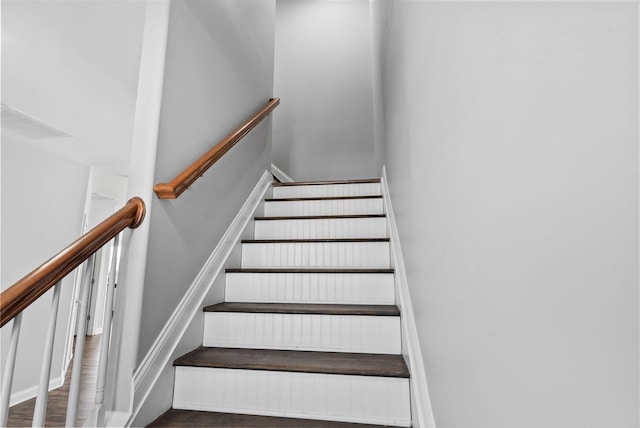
column 325, row 386
column 194, row 418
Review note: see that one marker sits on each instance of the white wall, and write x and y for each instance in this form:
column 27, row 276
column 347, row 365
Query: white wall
column 219, row 72
column 43, row 200
column 101, row 208
column 324, row 126
column 511, row 136
column 110, row 185
column 107, row 193
column 74, row 65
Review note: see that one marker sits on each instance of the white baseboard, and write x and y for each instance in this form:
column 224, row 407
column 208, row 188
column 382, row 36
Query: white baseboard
column 151, row 367
column 280, row 175
column 419, row 387
column 29, row 393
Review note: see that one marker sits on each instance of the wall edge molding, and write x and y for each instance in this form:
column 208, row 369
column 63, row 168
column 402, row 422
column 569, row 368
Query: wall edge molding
column 418, row 383
column 280, row 175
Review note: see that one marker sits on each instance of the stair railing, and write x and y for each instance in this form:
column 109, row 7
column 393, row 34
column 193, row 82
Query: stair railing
column 186, row 178
column 15, row 299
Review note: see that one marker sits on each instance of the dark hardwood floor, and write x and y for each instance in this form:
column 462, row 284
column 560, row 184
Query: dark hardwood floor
column 21, row 415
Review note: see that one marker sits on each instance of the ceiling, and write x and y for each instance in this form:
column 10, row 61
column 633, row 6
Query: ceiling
column 72, row 66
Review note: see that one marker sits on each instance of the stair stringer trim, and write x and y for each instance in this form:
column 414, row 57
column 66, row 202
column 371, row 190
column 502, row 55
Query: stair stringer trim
column 419, row 390
column 161, row 352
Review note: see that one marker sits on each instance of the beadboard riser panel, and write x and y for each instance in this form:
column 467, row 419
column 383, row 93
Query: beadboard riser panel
column 351, row 288
column 364, row 399
column 316, row 254
column 354, row 189
column 303, row 332
column 324, row 207
column 375, row 227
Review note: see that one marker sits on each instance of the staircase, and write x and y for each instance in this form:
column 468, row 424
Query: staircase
column 308, row 334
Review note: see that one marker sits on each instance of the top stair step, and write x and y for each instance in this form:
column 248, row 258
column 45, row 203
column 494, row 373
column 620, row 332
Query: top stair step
column 322, row 183
column 317, row 189
column 324, row 198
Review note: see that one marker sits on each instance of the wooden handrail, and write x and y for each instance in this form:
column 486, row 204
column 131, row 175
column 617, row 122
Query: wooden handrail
column 24, row 292
column 182, row 181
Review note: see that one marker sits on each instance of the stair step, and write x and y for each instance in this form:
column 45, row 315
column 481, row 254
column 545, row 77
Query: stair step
column 316, row 183
column 324, row 206
column 177, row 418
column 298, row 240
column 321, row 286
column 363, row 388
column 305, row 308
column 307, row 270
column 326, row 189
column 323, row 198
column 317, row 227
column 333, row 253
column 338, row 363
column 373, row 329
column 320, row 217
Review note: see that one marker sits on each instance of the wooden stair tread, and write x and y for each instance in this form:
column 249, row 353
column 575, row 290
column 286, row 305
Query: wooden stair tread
column 195, row 418
column 289, row 241
column 320, row 217
column 305, row 308
column 315, row 183
column 341, row 363
column 307, row 270
column 322, row 198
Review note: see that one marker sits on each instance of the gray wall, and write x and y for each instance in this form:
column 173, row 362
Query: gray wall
column 324, row 128
column 219, row 72
column 43, row 198
column 512, row 154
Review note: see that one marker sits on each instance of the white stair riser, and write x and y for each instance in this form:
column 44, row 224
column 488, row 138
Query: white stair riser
column 303, row 332
column 324, row 207
column 316, row 254
column 364, row 399
column 344, row 288
column 334, row 228
column 321, row 190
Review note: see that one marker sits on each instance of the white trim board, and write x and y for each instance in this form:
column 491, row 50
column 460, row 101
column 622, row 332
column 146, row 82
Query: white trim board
column 126, row 326
column 30, row 392
column 280, row 174
column 151, row 367
column 419, row 389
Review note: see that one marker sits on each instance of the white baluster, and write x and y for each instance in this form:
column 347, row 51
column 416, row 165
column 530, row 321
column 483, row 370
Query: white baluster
column 7, row 378
column 40, row 411
column 74, row 388
column 98, row 412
